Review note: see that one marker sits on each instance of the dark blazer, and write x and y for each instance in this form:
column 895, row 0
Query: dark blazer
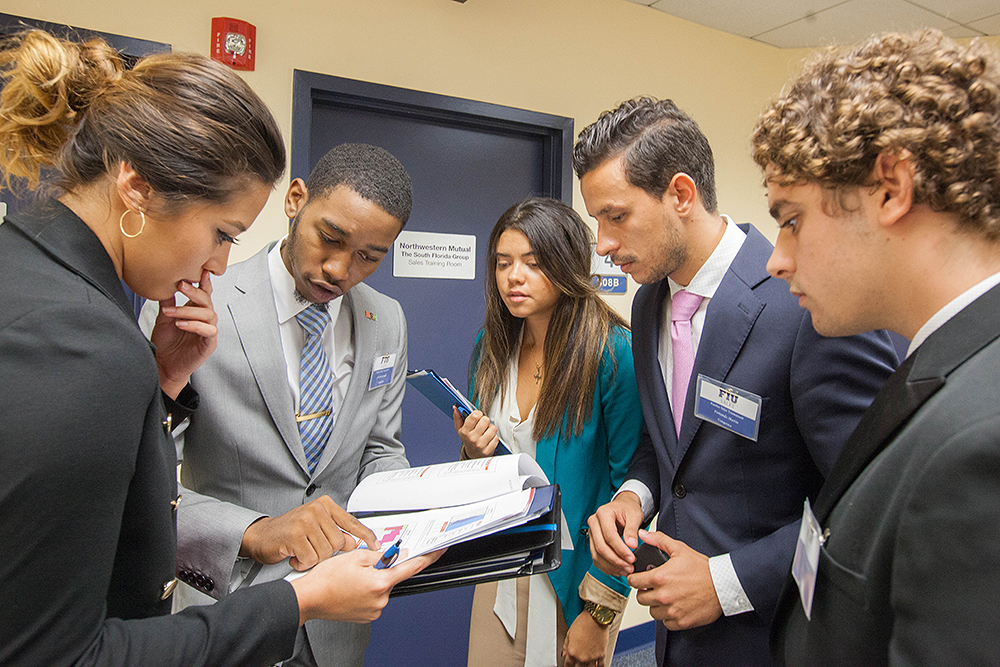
column 722, row 493
column 87, row 475
column 910, row 571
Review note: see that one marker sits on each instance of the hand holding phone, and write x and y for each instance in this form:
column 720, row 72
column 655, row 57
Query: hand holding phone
column 648, row 557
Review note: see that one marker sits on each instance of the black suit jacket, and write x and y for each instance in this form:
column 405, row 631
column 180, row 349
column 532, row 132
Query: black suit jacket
column 910, row 571
column 87, row 475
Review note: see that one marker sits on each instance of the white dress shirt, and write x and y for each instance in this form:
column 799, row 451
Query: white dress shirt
column 728, row 588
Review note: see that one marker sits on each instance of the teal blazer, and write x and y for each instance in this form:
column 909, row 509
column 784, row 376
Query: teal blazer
column 591, row 466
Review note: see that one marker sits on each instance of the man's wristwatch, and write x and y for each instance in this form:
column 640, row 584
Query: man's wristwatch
column 603, row 615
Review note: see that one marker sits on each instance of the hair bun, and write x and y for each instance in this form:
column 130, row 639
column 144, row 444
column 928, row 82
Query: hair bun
column 48, row 84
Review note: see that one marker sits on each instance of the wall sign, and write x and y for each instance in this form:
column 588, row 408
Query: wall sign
column 612, row 280
column 433, row 255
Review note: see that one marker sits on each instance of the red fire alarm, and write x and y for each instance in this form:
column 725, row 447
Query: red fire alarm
column 233, row 42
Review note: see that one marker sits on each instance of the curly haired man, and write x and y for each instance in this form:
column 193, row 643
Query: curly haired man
column 882, row 167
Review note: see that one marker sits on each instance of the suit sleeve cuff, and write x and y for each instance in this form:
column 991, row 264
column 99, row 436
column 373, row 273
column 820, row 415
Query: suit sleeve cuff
column 595, row 591
column 183, row 406
column 211, row 551
column 728, row 588
column 645, row 496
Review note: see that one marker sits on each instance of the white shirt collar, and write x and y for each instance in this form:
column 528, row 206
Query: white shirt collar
column 951, row 309
column 711, row 273
column 283, row 286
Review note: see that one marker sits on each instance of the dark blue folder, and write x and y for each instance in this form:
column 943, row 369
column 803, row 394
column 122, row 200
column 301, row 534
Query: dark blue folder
column 438, row 391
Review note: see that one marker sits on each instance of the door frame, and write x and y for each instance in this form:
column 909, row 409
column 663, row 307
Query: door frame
column 556, row 132
column 130, row 48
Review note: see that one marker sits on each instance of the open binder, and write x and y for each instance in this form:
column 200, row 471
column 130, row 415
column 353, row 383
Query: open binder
column 498, row 516
column 531, row 548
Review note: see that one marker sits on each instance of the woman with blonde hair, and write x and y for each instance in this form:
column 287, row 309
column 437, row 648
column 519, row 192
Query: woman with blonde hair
column 153, row 174
column 552, row 377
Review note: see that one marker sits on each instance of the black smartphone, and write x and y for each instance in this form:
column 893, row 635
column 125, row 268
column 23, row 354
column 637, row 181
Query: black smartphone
column 648, row 557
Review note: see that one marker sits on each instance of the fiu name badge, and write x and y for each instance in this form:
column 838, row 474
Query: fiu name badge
column 382, row 370
column 727, row 406
column 806, row 561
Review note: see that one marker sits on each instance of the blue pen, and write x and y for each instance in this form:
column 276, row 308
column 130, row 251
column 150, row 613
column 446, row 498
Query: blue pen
column 389, row 556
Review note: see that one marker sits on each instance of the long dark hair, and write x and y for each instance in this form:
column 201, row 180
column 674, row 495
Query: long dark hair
column 578, row 330
column 189, row 126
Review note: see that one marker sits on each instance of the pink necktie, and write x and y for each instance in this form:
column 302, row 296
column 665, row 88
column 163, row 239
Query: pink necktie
column 682, row 307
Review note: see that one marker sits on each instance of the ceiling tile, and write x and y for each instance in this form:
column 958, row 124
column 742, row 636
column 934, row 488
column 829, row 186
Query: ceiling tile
column 960, row 11
column 743, row 18
column 991, row 25
column 962, row 31
column 852, row 22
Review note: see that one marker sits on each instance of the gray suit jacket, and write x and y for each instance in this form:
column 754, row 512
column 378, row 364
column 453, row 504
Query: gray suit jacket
column 910, row 570
column 242, row 456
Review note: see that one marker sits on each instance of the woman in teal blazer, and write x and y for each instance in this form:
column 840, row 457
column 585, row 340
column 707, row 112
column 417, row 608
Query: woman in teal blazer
column 552, row 376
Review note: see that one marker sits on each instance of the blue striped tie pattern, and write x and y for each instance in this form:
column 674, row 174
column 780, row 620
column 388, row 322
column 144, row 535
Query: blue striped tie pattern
column 315, row 384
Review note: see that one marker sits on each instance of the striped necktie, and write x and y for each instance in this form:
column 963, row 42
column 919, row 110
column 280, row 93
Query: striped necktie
column 315, row 385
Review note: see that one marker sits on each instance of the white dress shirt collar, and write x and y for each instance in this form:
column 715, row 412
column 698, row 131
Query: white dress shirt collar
column 338, row 340
column 283, row 286
column 951, row 309
column 711, row 273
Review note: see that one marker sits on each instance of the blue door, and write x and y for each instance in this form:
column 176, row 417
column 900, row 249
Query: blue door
column 469, row 162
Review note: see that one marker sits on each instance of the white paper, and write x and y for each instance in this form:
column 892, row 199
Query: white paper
column 429, row 530
column 445, row 484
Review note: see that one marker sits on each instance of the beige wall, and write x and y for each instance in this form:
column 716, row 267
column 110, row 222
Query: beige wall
column 568, row 57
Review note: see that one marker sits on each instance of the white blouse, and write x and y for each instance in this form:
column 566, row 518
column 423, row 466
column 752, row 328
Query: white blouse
column 542, row 602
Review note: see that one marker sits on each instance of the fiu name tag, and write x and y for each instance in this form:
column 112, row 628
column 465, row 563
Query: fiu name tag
column 806, row 561
column 727, row 406
column 382, row 370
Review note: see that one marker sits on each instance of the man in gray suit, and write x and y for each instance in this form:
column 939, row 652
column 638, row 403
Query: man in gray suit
column 292, row 419
column 883, row 173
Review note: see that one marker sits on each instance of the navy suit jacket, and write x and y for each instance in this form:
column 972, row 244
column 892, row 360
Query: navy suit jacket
column 722, row 493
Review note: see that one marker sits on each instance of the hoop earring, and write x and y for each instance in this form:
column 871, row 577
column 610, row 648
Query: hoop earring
column 121, row 224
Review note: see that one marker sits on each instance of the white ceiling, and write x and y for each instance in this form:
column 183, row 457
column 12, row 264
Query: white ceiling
column 811, row 23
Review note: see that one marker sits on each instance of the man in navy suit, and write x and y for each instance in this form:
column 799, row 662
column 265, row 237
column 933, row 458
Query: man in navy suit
column 763, row 403
column 883, row 173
